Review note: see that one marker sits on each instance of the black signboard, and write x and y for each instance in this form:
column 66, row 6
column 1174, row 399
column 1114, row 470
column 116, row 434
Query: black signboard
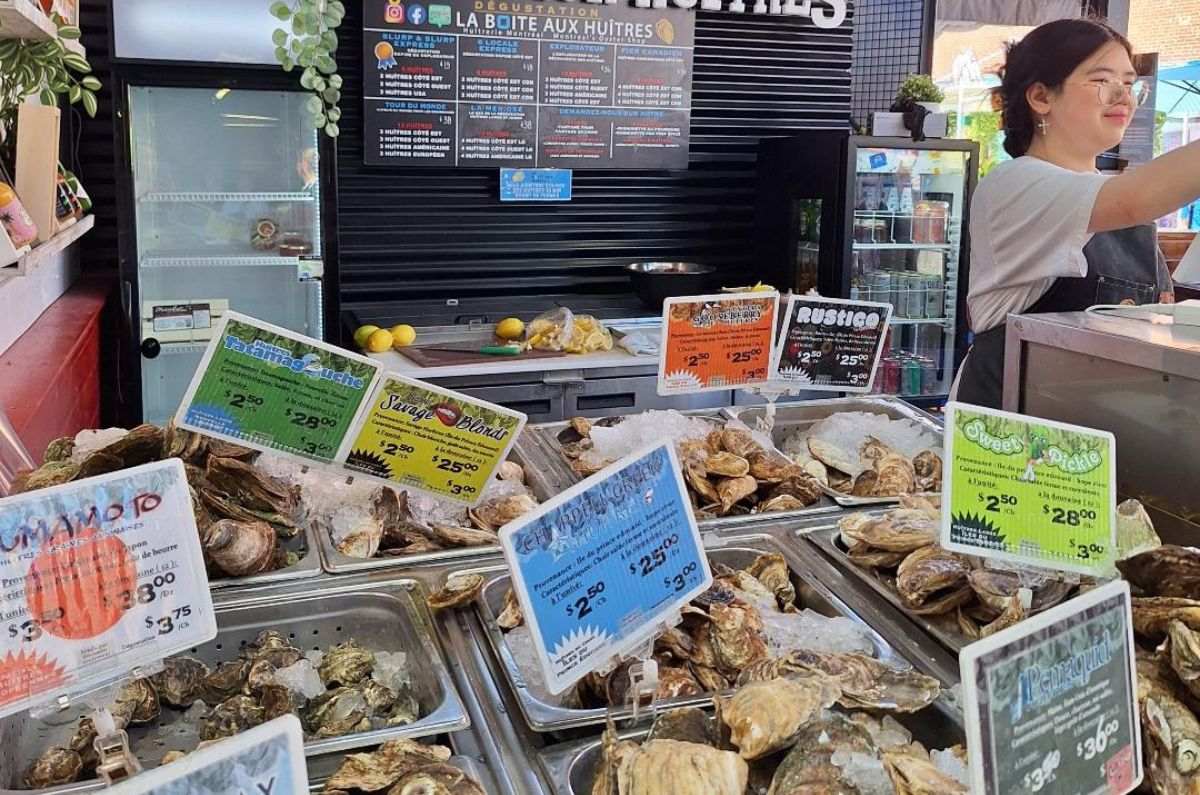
column 830, row 343
column 526, row 84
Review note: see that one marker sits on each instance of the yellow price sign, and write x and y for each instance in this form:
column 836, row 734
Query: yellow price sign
column 423, row 437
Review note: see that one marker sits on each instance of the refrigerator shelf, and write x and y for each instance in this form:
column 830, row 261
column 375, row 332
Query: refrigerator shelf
column 917, row 321
column 882, row 214
column 220, row 262
column 903, row 246
column 228, row 197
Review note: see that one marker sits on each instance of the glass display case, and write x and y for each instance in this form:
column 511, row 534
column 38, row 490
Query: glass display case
column 226, row 215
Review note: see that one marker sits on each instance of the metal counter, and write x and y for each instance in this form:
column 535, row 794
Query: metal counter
column 1137, row 379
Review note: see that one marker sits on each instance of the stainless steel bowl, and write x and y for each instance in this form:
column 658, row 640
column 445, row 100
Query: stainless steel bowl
column 655, row 281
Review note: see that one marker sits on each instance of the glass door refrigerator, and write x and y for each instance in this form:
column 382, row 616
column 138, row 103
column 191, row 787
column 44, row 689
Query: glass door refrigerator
column 223, row 208
column 880, row 219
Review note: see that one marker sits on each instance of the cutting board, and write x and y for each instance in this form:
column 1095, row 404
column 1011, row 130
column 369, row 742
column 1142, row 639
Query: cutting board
column 428, row 357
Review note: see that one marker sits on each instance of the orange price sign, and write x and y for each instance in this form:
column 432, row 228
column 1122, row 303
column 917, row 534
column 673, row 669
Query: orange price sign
column 713, row 342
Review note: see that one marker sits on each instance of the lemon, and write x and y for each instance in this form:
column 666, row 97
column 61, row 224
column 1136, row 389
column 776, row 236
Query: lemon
column 510, row 328
column 361, row 334
column 402, row 335
column 379, row 341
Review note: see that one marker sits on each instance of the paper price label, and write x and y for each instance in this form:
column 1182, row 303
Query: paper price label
column 599, row 567
column 1051, row 704
column 435, row 440
column 1028, row 490
column 98, row 577
column 268, row 387
column 265, row 760
column 713, row 342
column 830, row 344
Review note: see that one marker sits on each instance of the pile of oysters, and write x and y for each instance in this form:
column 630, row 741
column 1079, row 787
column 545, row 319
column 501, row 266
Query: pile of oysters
column 242, row 513
column 901, row 547
column 240, row 694
column 401, row 767
column 775, row 736
column 874, row 470
column 722, row 642
column 728, row 473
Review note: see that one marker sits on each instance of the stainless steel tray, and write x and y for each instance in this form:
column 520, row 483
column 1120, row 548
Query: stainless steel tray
column 544, row 448
column 322, row 767
column 335, row 562
column 383, row 616
column 790, row 417
column 309, row 565
column 736, row 552
column 943, row 628
column 571, row 768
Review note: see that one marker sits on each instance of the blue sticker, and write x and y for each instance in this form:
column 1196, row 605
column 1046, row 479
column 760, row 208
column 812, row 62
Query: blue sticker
column 878, row 160
column 535, row 184
column 416, row 14
column 599, row 567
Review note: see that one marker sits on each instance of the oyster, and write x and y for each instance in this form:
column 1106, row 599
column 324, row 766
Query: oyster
column 383, row 767
column 932, row 581
column 1152, row 615
column 1168, row 570
column 1182, row 649
column 260, row 674
column 835, row 457
column 711, row 680
column 510, row 616
column 740, row 442
column 674, row 682
column 726, row 465
column 928, row 467
column 800, row 486
column 343, row 710
column 582, row 426
column 495, row 513
column 274, row 648
column 171, row 756
column 866, row 484
column 697, row 477
column 1172, row 738
column 457, row 591
column 613, row 753
column 510, row 470
column 901, row 530
column 895, row 476
column 996, row 587
column 346, row 664
column 55, row 766
column 771, row 468
column 772, row 571
column 255, row 489
column 912, row 773
column 357, row 534
column 682, row 769
column 52, row 473
column 866, row 683
column 436, row 779
column 232, row 716
column 817, row 471
column 224, row 681
column 452, row 536
column 136, row 703
column 276, row 701
column 765, row 717
column 1135, row 531
column 688, row 724
column 59, row 450
column 1013, row 613
column 240, row 548
column 737, row 636
column 782, row 502
column 733, row 490
column 807, row 769
column 674, row 643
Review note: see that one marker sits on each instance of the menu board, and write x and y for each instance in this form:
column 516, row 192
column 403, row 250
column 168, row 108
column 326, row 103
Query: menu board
column 550, row 85
column 830, row 344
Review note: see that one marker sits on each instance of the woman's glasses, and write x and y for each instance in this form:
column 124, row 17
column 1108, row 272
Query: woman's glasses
column 1112, row 92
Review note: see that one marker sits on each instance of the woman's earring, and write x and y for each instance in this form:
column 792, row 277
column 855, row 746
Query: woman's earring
column 1042, row 126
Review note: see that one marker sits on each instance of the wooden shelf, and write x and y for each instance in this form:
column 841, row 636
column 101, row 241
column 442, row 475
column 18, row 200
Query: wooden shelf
column 29, row 262
column 23, row 19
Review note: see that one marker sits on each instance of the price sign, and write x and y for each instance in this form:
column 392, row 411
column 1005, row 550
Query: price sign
column 1029, row 490
column 268, row 387
column 424, row 437
column 713, row 342
column 1051, row 704
column 98, row 577
column 599, row 567
column 830, row 344
column 265, row 760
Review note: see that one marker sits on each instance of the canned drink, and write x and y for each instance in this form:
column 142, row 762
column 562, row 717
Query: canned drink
column 910, row 378
column 899, row 299
column 935, row 296
column 929, row 377
column 889, row 376
column 879, row 286
column 915, row 296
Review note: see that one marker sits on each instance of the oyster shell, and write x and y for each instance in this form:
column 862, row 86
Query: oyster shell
column 682, row 769
column 734, row 490
column 136, row 703
column 901, row 530
column 1013, row 613
column 240, row 548
column 740, row 442
column 1168, row 570
column 55, row 766
column 996, row 587
column 780, row 503
column 436, row 779
column 866, row 484
column 274, row 648
column 807, row 769
column 346, row 664
column 817, row 471
column 582, row 426
column 613, row 752
column 452, row 536
column 276, row 701
column 1182, row 649
column 1152, row 615
column 254, row 488
column 688, row 724
column 59, row 449
column 336, row 712
column 495, row 513
column 726, row 465
column 697, row 477
column 674, row 682
column 835, row 457
column 224, row 681
column 772, row 571
column 928, row 467
column 912, row 773
column 232, row 716
column 866, row 683
column 1135, row 530
column 457, row 591
column 510, row 470
column 932, row 581
column 771, row 468
column 383, row 767
column 765, row 717
column 53, row 473
column 260, row 675
column 511, row 616
column 737, row 637
column 141, row 445
column 895, row 476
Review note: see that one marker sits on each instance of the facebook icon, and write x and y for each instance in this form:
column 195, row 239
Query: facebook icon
column 416, row 13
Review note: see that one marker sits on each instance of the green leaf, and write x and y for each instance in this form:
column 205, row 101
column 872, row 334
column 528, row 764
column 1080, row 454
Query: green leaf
column 280, row 37
column 280, row 54
column 332, row 130
column 76, row 93
column 91, row 83
column 89, row 103
column 314, row 105
column 319, row 84
column 287, row 64
column 48, row 97
column 332, row 96
column 281, row 11
column 337, row 7
column 333, row 114
column 69, row 32
column 326, row 64
column 335, row 81
column 77, row 62
column 298, row 27
column 306, row 79
column 329, row 40
column 305, row 59
column 296, row 46
column 318, row 121
column 8, row 48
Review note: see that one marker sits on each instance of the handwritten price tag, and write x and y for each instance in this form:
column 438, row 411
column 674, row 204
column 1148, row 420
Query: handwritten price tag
column 713, row 342
column 599, row 567
column 272, row 388
column 442, row 442
column 98, row 577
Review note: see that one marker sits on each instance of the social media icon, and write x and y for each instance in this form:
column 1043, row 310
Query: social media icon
column 394, row 13
column 439, row 15
column 416, row 13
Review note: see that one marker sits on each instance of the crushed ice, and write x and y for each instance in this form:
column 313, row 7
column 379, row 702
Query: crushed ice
column 632, row 433
column 391, row 670
column 865, row 772
column 949, row 763
column 89, row 441
column 525, row 656
column 301, row 677
column 849, row 429
column 810, row 630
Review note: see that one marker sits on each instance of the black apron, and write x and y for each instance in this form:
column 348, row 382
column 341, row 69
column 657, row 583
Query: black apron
column 1123, row 265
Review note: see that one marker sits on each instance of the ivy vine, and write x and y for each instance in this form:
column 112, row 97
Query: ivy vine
column 46, row 68
column 310, row 44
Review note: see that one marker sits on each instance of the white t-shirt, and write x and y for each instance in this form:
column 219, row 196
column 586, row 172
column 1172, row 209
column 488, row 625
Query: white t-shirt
column 1029, row 224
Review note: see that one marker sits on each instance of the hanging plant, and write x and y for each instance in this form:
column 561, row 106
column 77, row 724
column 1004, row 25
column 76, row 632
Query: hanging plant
column 309, row 44
column 46, row 68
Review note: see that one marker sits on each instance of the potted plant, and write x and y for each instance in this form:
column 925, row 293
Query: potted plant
column 308, row 41
column 916, row 111
column 47, row 69
column 918, row 90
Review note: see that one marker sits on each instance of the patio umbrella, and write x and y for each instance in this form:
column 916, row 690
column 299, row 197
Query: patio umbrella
column 1178, row 90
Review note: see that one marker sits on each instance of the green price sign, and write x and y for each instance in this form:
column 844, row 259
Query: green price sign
column 1029, row 490
column 1051, row 704
column 268, row 387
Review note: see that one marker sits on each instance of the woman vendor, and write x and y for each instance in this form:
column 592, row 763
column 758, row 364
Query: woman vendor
column 1048, row 232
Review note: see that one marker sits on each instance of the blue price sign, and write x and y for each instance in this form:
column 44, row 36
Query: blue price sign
column 535, row 184
column 600, row 567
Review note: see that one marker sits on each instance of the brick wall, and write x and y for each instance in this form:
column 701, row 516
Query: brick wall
column 1169, row 27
